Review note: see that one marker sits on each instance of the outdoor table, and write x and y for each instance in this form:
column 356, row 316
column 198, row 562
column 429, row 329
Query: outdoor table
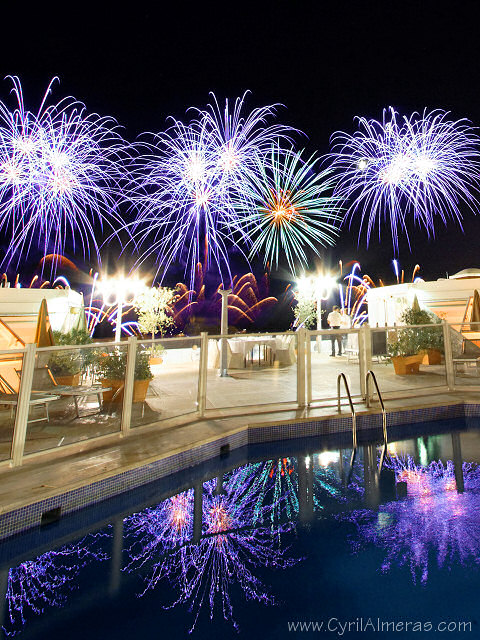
column 79, row 392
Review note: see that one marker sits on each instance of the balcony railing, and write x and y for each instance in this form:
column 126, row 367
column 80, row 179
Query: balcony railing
column 54, row 398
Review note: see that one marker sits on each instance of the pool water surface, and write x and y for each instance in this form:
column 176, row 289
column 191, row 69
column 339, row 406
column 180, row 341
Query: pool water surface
column 271, row 540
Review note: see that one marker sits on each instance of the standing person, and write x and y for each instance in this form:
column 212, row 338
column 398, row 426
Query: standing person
column 334, row 320
column 346, row 323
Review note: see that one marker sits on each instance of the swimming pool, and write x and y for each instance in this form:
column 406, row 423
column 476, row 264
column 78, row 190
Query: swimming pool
column 264, row 543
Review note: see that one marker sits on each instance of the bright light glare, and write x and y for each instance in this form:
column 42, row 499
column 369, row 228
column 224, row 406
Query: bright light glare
column 120, row 288
column 319, row 286
column 327, row 457
column 324, row 284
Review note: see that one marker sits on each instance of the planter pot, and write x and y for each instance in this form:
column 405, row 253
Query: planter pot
column 155, row 360
column 432, row 356
column 113, row 396
column 407, row 365
column 140, row 388
column 69, row 381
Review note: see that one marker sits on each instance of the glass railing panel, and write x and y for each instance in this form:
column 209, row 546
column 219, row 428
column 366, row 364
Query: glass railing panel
column 326, row 367
column 258, row 369
column 77, row 394
column 166, row 379
column 465, row 347
column 408, row 358
column 10, row 363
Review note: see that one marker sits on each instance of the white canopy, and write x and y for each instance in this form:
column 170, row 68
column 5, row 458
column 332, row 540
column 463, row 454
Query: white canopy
column 19, row 306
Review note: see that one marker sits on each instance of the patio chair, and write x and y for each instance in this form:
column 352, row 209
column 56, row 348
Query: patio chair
column 285, row 350
column 9, row 397
column 234, row 360
column 352, row 350
column 44, row 381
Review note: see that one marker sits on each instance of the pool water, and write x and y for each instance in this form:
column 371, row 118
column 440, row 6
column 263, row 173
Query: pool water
column 264, row 541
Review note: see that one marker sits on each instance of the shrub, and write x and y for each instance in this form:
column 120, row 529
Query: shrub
column 112, row 365
column 410, row 341
column 70, row 362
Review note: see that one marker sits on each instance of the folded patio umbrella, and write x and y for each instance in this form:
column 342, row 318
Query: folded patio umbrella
column 475, row 307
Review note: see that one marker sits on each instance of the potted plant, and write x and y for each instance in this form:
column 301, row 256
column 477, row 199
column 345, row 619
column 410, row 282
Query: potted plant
column 404, row 352
column 156, row 354
column 430, row 341
column 413, row 346
column 67, row 365
column 111, row 367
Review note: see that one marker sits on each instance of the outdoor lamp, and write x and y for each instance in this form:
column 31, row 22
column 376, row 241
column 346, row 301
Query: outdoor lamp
column 120, row 290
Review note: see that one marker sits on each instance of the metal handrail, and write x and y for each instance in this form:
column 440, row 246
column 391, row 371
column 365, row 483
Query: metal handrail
column 370, row 375
column 342, row 376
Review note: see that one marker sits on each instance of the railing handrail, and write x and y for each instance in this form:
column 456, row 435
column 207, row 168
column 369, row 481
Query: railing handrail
column 340, row 377
column 371, row 375
column 314, row 332
column 400, row 327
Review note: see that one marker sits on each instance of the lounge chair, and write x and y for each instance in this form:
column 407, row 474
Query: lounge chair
column 9, row 397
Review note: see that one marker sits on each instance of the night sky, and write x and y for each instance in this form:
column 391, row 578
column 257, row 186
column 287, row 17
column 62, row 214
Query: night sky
column 326, row 62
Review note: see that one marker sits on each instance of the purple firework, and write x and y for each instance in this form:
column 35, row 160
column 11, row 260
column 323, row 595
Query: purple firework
column 59, row 174
column 190, row 186
column 415, row 169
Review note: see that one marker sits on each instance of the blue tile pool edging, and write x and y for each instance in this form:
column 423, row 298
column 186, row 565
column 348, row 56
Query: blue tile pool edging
column 19, row 520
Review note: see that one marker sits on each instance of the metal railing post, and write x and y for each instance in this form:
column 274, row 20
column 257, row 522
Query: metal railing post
column 364, row 355
column 23, row 405
column 449, row 370
column 202, row 374
column 301, row 367
column 128, row 387
column 309, row 367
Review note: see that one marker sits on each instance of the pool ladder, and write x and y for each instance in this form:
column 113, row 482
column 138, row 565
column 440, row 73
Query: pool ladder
column 369, row 376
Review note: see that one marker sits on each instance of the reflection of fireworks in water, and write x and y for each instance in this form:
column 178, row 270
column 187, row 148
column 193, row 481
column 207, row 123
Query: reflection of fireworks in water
column 231, row 548
column 161, row 533
column 274, row 484
column 329, row 482
column 224, row 558
column 433, row 517
column 37, row 584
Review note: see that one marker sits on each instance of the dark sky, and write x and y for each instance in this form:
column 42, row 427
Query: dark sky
column 325, row 61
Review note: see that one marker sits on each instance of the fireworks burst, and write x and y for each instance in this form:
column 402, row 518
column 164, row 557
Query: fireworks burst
column 293, row 208
column 419, row 168
column 191, row 182
column 59, row 175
